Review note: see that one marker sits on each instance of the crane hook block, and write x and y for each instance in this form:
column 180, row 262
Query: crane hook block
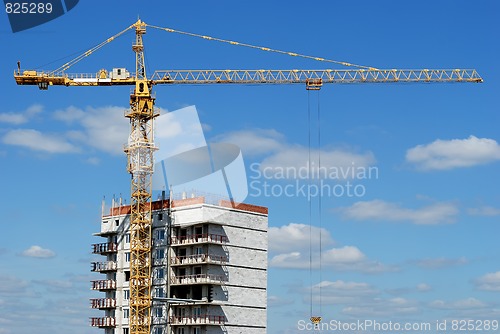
column 316, row 321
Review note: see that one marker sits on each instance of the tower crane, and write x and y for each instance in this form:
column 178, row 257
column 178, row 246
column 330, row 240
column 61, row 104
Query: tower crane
column 140, row 147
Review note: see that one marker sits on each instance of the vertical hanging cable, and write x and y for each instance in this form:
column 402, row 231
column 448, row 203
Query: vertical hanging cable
column 319, row 204
column 309, row 197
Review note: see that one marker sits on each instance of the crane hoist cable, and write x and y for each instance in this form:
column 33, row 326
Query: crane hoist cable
column 320, row 207
column 317, row 177
column 309, row 181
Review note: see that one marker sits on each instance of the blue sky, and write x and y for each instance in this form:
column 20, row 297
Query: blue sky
column 420, row 245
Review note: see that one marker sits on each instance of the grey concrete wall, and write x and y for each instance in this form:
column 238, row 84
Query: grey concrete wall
column 247, row 257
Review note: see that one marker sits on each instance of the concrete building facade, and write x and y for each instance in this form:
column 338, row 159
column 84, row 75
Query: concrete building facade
column 213, row 253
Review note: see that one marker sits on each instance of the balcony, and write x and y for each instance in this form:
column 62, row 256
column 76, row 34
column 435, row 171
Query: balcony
column 103, row 285
column 104, row 248
column 199, row 279
column 199, row 239
column 103, row 266
column 106, row 322
column 206, row 319
column 103, row 303
column 197, row 259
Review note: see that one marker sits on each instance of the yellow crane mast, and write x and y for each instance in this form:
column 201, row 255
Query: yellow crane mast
column 140, row 147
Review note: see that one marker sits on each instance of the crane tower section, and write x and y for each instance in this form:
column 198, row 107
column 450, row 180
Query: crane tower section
column 140, row 149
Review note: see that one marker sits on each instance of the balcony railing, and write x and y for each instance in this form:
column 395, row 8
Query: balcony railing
column 104, row 285
column 103, row 303
column 199, row 238
column 198, row 258
column 108, row 247
column 103, row 322
column 199, row 279
column 103, row 266
column 199, row 320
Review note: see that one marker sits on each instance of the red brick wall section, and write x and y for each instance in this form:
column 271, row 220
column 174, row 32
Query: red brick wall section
column 157, row 205
column 188, row 201
column 244, row 207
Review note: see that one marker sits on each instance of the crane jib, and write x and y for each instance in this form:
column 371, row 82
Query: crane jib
column 308, row 77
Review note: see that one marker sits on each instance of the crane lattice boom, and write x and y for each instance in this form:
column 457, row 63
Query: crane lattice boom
column 249, row 77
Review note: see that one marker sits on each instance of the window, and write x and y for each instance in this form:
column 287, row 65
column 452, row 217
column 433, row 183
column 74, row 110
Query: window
column 160, row 234
column 127, row 257
column 180, row 330
column 126, row 294
column 158, row 330
column 127, row 238
column 158, row 312
column 126, row 331
column 160, row 273
column 159, row 292
column 127, row 276
column 197, row 270
column 160, row 253
column 197, row 312
column 199, row 250
column 126, row 313
column 197, row 330
column 117, row 222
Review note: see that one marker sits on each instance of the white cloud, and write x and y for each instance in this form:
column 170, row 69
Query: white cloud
column 22, row 117
column 455, row 153
column 463, row 304
column 489, row 282
column 346, row 258
column 12, row 285
column 484, row 211
column 335, row 163
column 346, row 288
column 278, row 301
column 383, row 307
column 58, row 286
column 296, row 236
column 38, row 252
column 437, row 213
column 13, row 118
column 423, row 287
column 37, row 141
column 359, row 299
column 104, row 128
column 69, row 115
column 342, row 292
column 255, row 141
column 441, row 262
column 343, row 255
column 289, row 247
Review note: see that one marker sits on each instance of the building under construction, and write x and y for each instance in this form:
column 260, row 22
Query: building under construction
column 208, row 268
